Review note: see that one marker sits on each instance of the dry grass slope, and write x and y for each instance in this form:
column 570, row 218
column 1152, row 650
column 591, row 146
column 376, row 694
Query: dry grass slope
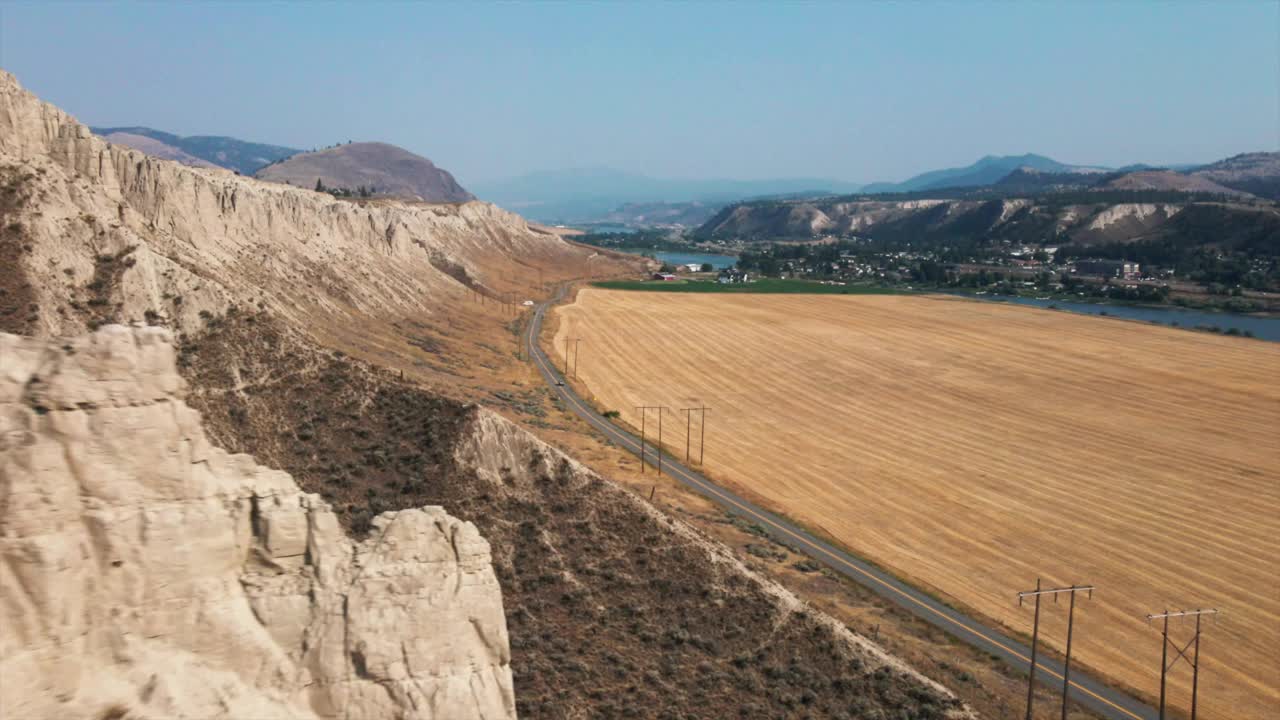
column 614, row 610
column 973, row 447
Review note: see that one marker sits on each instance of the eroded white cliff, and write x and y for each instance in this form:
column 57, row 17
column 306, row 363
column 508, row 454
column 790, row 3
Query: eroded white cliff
column 155, row 240
column 145, row 571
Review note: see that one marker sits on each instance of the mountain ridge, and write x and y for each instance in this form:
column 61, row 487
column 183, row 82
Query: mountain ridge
column 1033, row 205
column 986, row 170
column 231, row 153
column 1253, row 172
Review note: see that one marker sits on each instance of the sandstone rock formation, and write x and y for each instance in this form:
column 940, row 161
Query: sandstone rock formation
column 101, row 232
column 147, row 573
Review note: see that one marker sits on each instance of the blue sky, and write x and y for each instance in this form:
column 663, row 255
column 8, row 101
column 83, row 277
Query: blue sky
column 853, row 91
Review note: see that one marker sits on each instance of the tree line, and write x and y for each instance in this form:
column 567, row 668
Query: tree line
column 360, row 191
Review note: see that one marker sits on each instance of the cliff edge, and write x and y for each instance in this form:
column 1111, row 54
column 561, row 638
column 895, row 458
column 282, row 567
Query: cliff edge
column 147, row 573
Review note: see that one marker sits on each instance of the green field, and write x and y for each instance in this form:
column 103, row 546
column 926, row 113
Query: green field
column 766, row 285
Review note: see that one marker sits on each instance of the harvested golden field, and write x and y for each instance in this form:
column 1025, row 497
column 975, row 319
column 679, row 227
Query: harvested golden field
column 973, row 447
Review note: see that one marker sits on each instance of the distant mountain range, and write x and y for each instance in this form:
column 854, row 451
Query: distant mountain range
column 155, row 148
column 602, row 195
column 664, row 214
column 592, row 194
column 986, row 171
column 245, row 158
column 1030, row 205
column 381, row 168
column 597, row 195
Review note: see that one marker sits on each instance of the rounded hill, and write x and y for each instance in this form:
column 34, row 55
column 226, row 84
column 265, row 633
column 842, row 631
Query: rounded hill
column 381, row 167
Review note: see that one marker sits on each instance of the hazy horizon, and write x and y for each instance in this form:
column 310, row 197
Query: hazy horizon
column 856, row 93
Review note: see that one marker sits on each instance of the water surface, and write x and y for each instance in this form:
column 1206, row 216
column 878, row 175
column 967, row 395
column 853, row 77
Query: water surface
column 719, row 262
column 1265, row 328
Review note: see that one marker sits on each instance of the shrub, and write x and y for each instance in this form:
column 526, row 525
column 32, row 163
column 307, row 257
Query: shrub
column 806, row 566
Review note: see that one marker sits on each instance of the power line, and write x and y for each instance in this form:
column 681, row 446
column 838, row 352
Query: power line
column 1035, row 638
column 1194, row 660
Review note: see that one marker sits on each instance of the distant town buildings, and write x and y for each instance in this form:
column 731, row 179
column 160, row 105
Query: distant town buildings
column 1123, row 269
column 729, row 276
column 664, row 276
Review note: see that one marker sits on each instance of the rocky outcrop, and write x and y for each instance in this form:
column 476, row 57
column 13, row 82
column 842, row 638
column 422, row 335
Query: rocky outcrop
column 111, row 234
column 147, row 573
column 1138, row 214
column 1016, row 220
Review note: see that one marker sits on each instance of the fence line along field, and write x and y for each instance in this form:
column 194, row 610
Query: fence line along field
column 972, row 447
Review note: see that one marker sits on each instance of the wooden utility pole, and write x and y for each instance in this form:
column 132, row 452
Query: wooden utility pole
column 702, row 429
column 644, row 413
column 688, row 431
column 566, row 356
column 576, row 343
column 1035, row 637
column 1194, row 660
column 659, row 439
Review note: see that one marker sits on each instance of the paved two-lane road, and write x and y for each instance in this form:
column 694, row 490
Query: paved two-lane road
column 1107, row 702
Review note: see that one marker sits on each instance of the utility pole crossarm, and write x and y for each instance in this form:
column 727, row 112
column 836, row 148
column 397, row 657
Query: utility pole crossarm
column 1182, row 613
column 702, row 430
column 1056, row 591
column 1194, row 660
column 1070, row 590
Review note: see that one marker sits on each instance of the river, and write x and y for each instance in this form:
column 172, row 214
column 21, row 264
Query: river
column 1264, row 328
column 719, row 262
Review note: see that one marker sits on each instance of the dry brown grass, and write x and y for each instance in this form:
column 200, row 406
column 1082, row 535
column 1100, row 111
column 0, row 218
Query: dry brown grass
column 611, row 612
column 973, row 447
